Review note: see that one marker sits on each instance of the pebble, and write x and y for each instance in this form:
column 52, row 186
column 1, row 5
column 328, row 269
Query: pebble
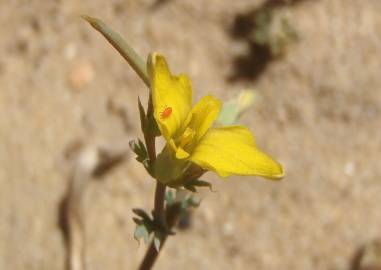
column 80, row 75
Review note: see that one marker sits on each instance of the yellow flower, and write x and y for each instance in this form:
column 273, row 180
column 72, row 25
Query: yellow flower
column 190, row 137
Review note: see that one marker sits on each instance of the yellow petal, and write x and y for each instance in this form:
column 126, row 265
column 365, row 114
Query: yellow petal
column 181, row 153
column 203, row 115
column 231, row 150
column 171, row 96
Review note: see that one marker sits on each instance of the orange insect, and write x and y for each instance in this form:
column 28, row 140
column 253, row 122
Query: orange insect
column 166, row 112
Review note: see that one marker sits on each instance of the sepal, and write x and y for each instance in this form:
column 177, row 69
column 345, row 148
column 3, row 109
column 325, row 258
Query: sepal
column 191, row 185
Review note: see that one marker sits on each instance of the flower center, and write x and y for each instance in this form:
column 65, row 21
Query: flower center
column 187, row 137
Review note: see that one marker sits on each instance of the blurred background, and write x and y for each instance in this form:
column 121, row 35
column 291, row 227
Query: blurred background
column 315, row 68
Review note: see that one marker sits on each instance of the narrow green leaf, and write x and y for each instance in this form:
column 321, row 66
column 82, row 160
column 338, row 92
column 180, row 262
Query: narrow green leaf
column 141, row 213
column 190, row 188
column 117, row 41
column 137, row 221
column 153, row 128
column 201, row 183
column 143, row 118
column 191, row 185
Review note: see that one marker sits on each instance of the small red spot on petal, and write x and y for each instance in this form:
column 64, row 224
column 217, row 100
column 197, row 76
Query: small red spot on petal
column 166, row 113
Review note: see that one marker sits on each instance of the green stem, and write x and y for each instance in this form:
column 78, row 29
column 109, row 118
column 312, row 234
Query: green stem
column 159, row 212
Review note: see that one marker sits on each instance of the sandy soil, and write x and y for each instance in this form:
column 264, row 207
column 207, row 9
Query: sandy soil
column 318, row 111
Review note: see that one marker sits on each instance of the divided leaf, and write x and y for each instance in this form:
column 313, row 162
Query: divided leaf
column 141, row 231
column 141, row 213
column 139, row 149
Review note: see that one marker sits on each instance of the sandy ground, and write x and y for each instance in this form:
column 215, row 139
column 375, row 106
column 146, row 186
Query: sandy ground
column 318, row 111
